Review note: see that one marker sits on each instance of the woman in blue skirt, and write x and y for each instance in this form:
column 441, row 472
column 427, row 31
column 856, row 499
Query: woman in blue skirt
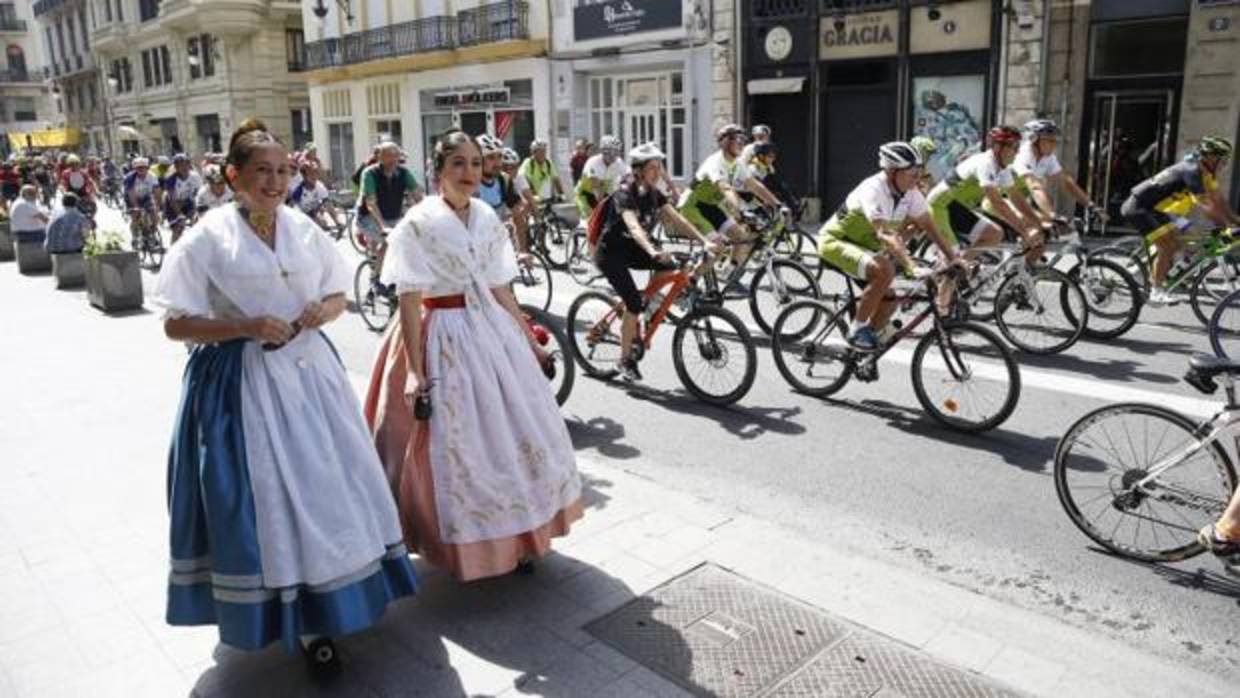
column 283, row 525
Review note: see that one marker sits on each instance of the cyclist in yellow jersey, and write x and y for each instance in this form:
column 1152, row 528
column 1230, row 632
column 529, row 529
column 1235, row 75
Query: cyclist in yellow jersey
column 875, row 218
column 1159, row 207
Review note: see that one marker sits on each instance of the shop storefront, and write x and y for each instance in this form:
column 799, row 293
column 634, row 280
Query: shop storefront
column 834, row 85
column 503, row 109
column 634, row 70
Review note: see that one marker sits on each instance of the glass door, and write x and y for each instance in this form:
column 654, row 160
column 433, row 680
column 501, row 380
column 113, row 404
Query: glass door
column 642, row 129
column 1130, row 141
column 473, row 122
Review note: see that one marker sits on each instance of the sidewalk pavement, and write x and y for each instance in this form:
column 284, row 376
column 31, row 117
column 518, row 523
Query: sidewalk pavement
column 88, row 405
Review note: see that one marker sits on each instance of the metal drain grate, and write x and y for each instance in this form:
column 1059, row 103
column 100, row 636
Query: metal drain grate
column 717, row 634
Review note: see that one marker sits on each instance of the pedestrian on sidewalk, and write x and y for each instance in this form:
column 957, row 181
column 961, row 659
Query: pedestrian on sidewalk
column 282, row 525
column 483, row 468
column 66, row 233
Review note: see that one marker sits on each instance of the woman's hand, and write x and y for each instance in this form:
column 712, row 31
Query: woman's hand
column 415, row 384
column 319, row 313
column 268, row 330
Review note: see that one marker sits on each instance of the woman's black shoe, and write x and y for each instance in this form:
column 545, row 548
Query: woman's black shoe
column 323, row 658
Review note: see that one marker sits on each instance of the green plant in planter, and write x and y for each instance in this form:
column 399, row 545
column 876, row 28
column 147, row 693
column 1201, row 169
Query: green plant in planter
column 103, row 242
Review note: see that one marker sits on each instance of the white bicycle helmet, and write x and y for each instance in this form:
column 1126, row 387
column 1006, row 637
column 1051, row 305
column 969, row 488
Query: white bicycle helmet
column 898, row 155
column 1039, row 128
column 644, row 153
column 760, row 130
column 538, row 144
column 511, row 157
column 611, row 143
column 489, row 145
column 141, row 162
column 729, row 130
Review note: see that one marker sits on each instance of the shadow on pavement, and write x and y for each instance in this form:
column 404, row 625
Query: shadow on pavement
column 744, row 422
column 1146, row 347
column 1031, row 453
column 1108, row 369
column 1211, row 581
column 603, row 434
column 465, row 639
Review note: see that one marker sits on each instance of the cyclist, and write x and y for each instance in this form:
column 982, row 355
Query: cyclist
column 1038, row 170
column 1223, row 536
column 1159, row 207
column 712, row 201
column 760, row 133
column 162, row 167
column 927, row 147
column 388, row 190
column 600, row 176
column 510, row 162
column 215, row 192
column 874, row 219
column 77, row 181
column 498, row 190
column 142, row 192
column 624, row 243
column 539, row 173
column 180, row 189
column 312, row 198
column 956, row 202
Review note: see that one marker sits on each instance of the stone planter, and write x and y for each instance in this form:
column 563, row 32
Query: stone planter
column 69, row 269
column 6, row 242
column 32, row 258
column 114, row 281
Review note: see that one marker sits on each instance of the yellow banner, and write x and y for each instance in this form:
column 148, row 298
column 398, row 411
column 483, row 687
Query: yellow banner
column 51, row 138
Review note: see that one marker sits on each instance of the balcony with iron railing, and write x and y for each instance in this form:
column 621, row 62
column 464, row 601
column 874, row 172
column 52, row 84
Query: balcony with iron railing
column 11, row 76
column 12, row 24
column 497, row 21
column 42, row 7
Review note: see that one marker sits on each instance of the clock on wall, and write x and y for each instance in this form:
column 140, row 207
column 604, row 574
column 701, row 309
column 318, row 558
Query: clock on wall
column 778, row 43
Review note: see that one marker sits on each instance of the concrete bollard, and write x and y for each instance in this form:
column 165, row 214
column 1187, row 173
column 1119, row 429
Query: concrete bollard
column 114, row 281
column 69, row 269
column 32, row 258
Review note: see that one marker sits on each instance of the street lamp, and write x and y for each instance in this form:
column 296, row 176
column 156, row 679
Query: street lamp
column 320, row 10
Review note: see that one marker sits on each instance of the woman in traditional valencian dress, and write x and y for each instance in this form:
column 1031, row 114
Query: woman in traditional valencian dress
column 283, row 526
column 488, row 477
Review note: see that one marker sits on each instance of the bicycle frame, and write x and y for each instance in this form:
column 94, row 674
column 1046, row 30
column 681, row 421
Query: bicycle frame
column 1201, row 256
column 676, row 283
column 1222, row 422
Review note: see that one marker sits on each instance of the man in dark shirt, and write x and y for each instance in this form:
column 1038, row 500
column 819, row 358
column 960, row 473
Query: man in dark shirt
column 581, row 153
column 388, row 189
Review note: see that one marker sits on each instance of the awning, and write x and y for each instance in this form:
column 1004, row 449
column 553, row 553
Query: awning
column 131, row 133
column 51, row 138
column 775, row 86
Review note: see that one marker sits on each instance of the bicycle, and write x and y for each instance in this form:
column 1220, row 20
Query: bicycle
column 705, row 343
column 376, row 302
column 1166, row 480
column 812, row 353
column 550, row 234
column 147, row 240
column 1209, row 268
column 562, row 371
column 532, row 285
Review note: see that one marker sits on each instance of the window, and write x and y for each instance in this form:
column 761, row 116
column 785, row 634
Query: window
column 120, row 10
column 1142, row 47
column 643, row 108
column 94, row 96
column 165, row 58
column 340, row 150
column 72, row 35
column 295, row 49
column 147, row 75
column 17, row 62
column 23, row 109
column 148, row 10
column 156, row 67
column 208, row 127
column 122, row 71
column 107, row 11
column 386, row 129
column 8, row 14
column 202, row 56
column 85, row 29
column 301, row 127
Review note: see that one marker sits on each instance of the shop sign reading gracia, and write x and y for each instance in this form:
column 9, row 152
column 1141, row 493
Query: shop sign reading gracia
column 860, row 36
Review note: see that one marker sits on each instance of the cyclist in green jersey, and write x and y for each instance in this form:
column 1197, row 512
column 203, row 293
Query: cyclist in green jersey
column 539, row 176
column 600, row 176
column 875, row 218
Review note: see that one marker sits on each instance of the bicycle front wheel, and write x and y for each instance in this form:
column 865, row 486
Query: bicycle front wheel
column 965, row 378
column 1216, row 280
column 556, row 243
column 532, row 286
column 1113, row 295
column 810, row 344
column 714, row 355
column 770, row 293
column 357, row 238
column 1043, row 312
column 1225, row 327
column 580, row 264
column 375, row 306
column 1101, row 461
column 555, row 344
column 593, row 327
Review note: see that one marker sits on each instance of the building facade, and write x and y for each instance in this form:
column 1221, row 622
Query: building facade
column 70, row 70
column 645, row 70
column 26, row 106
column 1131, row 82
column 180, row 75
column 408, row 71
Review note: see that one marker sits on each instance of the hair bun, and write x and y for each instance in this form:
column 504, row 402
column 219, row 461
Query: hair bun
column 250, row 124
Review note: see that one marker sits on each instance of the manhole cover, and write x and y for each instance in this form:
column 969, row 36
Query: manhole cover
column 717, row 634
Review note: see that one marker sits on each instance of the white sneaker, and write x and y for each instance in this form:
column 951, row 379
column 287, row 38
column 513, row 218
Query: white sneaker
column 1161, row 297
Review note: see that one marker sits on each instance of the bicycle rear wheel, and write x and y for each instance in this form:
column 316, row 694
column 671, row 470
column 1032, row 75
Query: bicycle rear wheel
column 771, row 293
column 1113, row 295
column 375, row 306
column 810, row 344
column 1225, row 327
column 714, row 355
column 556, row 344
column 957, row 381
column 593, row 328
column 532, row 285
column 580, row 264
column 1102, row 458
column 1216, row 280
column 556, row 242
column 1045, row 316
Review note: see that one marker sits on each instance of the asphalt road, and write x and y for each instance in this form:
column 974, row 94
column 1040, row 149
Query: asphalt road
column 867, row 470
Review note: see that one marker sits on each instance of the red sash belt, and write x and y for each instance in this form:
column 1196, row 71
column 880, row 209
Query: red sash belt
column 442, row 302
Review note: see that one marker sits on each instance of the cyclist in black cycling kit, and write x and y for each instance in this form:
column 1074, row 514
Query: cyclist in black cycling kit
column 624, row 244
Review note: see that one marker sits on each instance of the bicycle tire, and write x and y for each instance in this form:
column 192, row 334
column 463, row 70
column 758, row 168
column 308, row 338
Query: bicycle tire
column 807, row 344
column 1114, row 304
column 1206, row 290
column 376, row 311
column 584, row 339
column 580, row 265
column 566, row 368
column 993, row 347
column 1120, row 498
column 357, row 238
column 714, row 352
column 1224, row 327
column 554, row 243
column 533, row 284
column 1069, row 298
column 805, row 286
